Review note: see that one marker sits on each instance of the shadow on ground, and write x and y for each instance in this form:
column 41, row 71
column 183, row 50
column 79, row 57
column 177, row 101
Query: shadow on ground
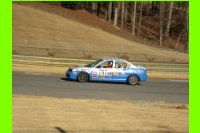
column 60, row 130
column 98, row 82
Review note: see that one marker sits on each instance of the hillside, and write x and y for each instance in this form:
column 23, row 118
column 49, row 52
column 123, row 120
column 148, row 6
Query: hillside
column 43, row 29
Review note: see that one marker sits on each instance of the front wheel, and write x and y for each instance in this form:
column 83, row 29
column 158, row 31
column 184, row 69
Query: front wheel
column 82, row 77
column 133, row 80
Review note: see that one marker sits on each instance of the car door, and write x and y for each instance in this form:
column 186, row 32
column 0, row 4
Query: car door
column 119, row 70
column 102, row 71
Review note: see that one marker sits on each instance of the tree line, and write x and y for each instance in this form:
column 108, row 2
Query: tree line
column 168, row 19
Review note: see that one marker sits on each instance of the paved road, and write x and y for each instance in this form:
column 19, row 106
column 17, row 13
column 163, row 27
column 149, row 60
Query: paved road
column 55, row 86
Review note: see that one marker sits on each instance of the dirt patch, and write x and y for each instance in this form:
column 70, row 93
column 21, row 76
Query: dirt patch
column 46, row 114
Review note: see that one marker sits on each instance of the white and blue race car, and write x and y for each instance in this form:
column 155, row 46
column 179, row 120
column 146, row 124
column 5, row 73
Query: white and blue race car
column 108, row 70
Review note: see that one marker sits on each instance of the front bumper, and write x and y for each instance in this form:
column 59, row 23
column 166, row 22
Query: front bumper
column 143, row 77
column 71, row 75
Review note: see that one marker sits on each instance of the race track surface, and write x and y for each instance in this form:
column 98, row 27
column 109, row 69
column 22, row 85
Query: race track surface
column 173, row 91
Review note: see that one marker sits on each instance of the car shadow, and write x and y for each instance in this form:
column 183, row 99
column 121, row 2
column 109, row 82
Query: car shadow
column 65, row 79
column 97, row 82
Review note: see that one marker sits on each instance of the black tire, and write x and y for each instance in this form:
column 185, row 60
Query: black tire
column 133, row 80
column 82, row 77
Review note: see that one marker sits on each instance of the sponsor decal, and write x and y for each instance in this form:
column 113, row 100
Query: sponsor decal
column 101, row 76
column 138, row 71
column 109, row 74
column 103, row 73
column 115, row 73
column 94, row 75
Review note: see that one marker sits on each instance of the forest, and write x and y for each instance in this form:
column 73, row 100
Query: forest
column 162, row 24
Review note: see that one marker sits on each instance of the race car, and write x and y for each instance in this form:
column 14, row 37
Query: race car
column 108, row 70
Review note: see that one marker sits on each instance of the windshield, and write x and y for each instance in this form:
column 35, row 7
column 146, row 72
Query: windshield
column 94, row 63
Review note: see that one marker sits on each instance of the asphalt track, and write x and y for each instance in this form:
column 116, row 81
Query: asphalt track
column 173, row 91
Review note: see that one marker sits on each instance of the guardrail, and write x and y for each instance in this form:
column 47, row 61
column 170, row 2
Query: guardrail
column 65, row 62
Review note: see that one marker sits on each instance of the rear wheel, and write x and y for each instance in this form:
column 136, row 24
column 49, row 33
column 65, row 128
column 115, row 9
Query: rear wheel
column 133, row 80
column 82, row 77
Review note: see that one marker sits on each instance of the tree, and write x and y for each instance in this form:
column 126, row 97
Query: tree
column 98, row 8
column 106, row 11
column 125, row 12
column 140, row 20
column 186, row 28
column 109, row 11
column 94, row 7
column 169, row 19
column 176, row 45
column 161, row 21
column 133, row 20
column 122, row 15
column 155, row 7
column 117, row 5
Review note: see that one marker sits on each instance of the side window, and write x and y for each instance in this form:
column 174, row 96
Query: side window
column 121, row 64
column 124, row 64
column 106, row 64
column 117, row 64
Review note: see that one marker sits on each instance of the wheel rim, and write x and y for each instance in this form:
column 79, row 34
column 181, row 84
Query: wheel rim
column 82, row 77
column 133, row 80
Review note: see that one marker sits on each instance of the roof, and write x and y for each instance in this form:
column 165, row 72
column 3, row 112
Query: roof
column 112, row 58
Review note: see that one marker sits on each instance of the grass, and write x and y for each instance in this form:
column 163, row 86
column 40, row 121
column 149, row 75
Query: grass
column 64, row 31
column 46, row 114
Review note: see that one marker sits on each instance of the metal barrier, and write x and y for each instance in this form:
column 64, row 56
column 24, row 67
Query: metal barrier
column 65, row 62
